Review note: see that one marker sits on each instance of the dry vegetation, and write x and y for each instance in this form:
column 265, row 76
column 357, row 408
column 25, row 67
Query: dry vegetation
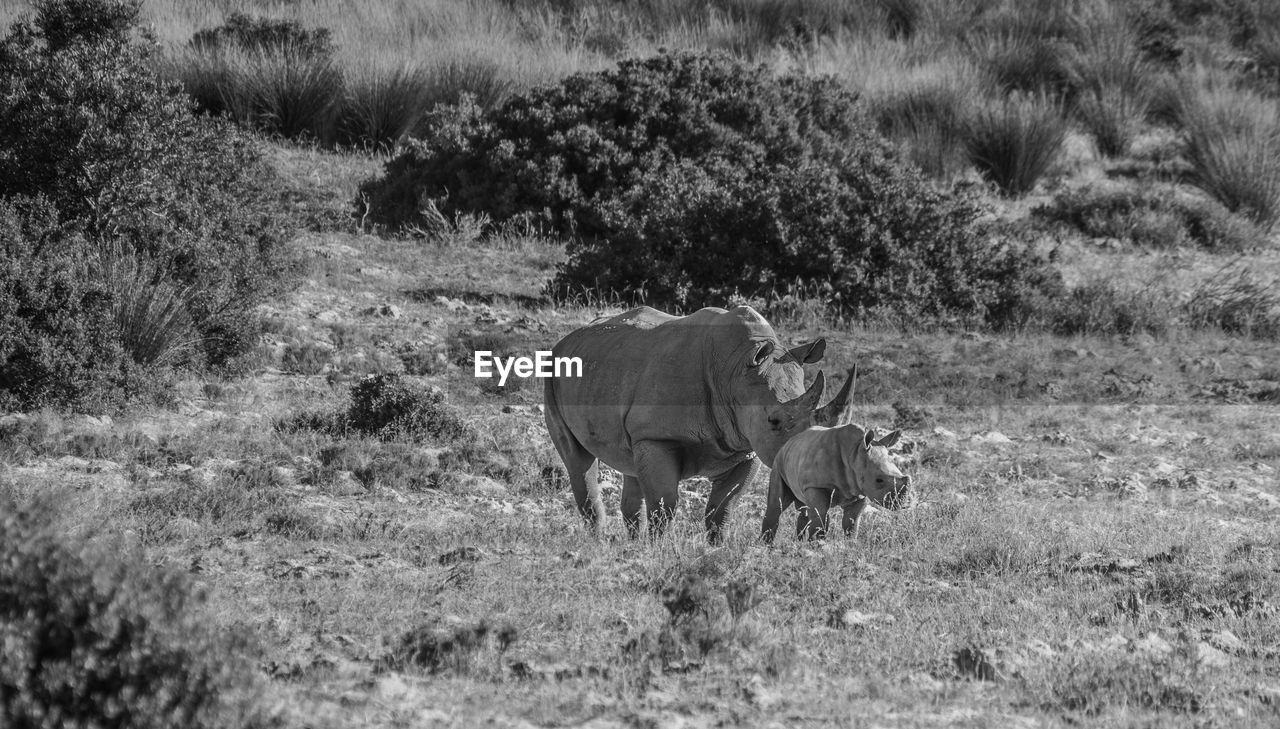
column 1098, row 541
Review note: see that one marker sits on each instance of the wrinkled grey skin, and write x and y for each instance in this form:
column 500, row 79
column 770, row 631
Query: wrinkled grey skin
column 844, row 466
column 664, row 398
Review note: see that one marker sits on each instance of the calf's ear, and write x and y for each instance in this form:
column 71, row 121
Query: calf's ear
column 890, row 440
column 869, row 439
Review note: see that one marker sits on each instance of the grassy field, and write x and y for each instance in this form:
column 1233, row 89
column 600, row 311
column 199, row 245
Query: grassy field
column 1097, row 541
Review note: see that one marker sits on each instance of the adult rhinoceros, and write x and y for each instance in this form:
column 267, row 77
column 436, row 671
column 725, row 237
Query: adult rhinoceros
column 662, row 398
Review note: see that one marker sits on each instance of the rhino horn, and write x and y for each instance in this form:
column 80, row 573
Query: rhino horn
column 836, row 412
column 809, row 400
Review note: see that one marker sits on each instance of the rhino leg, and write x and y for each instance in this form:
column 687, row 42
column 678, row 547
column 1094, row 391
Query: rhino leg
column 658, row 470
column 811, row 523
column 725, row 489
column 852, row 516
column 632, row 504
column 583, row 473
column 777, row 501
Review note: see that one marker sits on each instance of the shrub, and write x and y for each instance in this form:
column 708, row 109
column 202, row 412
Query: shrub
column 265, row 34
column 1013, row 141
column 58, row 341
column 116, row 152
column 1103, row 307
column 683, row 178
column 95, row 636
column 1154, row 218
column 1233, row 145
column 389, row 407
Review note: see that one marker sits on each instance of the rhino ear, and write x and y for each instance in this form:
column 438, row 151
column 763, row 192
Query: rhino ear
column 811, row 352
column 869, row 439
column 890, row 440
column 762, row 353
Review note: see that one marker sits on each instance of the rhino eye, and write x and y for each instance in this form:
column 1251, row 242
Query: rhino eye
column 775, row 422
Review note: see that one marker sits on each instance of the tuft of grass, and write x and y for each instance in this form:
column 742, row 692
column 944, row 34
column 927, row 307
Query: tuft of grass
column 1013, row 141
column 289, row 92
column 150, row 309
column 1239, row 300
column 929, row 115
column 1233, row 145
column 1111, row 79
column 381, row 106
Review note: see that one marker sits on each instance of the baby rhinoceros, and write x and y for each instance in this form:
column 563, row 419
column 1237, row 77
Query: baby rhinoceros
column 844, row 466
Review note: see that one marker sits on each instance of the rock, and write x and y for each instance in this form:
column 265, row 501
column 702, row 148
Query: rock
column 471, row 485
column 856, row 619
column 942, row 432
column 284, row 476
column 72, row 462
column 328, row 316
column 1151, row 644
column 96, row 424
column 1226, row 641
column 1207, row 655
column 990, row 437
column 345, row 484
column 461, row 554
column 182, row 528
column 390, row 311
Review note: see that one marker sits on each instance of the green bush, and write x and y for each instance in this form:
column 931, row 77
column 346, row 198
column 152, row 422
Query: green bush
column 683, row 178
column 1152, row 218
column 389, row 407
column 93, row 635
column 87, row 125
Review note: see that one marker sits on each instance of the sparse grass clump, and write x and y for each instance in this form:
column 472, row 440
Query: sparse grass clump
column 1237, row 300
column 684, row 179
column 1013, row 141
column 93, row 635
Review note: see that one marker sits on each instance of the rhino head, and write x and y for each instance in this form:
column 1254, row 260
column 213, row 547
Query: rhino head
column 876, row 474
column 771, row 402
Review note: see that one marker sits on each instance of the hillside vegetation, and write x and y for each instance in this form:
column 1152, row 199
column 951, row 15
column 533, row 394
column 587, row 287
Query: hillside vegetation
column 248, row 249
